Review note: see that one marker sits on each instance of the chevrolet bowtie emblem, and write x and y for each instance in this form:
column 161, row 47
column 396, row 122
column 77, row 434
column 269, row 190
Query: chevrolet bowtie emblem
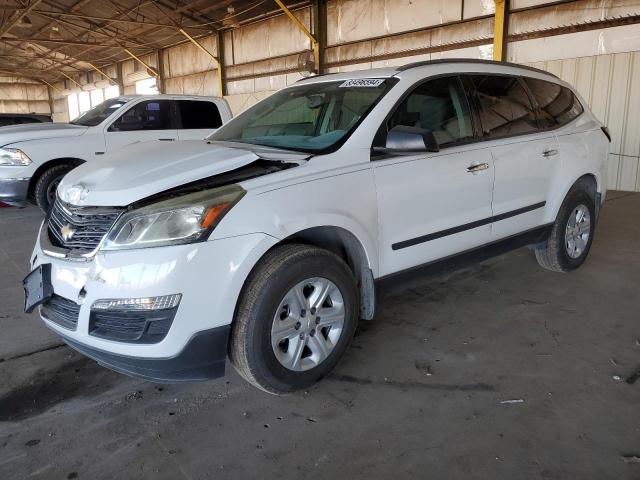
column 67, row 232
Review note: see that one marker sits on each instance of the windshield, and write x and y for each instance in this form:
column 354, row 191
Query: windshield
column 99, row 113
column 308, row 118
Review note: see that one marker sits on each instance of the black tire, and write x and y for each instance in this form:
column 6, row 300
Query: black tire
column 44, row 190
column 250, row 350
column 554, row 255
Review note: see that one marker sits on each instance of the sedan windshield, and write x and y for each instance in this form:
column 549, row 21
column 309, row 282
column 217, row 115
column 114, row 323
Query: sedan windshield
column 308, row 118
column 99, row 113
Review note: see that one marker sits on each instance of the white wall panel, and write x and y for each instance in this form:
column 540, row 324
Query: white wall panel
column 270, row 38
column 186, row 59
column 352, row 20
column 19, row 95
column 478, row 8
column 574, row 45
column 610, row 84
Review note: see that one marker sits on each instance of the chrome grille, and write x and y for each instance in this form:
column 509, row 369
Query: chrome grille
column 90, row 225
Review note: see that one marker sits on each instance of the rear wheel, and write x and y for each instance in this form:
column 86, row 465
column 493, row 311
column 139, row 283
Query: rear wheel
column 572, row 234
column 44, row 191
column 296, row 317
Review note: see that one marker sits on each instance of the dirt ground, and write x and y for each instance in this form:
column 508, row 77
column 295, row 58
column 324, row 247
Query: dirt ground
column 503, row 370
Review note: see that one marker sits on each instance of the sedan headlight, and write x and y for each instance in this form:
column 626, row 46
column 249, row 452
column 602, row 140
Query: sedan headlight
column 185, row 219
column 14, row 157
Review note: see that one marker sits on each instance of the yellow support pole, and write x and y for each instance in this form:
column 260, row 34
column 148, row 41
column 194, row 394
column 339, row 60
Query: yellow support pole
column 217, row 60
column 314, row 43
column 148, row 67
column 70, row 79
column 500, row 30
column 52, row 86
column 102, row 73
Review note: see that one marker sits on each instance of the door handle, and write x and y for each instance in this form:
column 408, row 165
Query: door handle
column 477, row 168
column 550, row 153
column 167, row 139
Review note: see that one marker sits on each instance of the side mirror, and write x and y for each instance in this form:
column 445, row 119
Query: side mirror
column 403, row 140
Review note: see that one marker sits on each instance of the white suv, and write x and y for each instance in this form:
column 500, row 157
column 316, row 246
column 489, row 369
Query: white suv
column 268, row 242
column 35, row 157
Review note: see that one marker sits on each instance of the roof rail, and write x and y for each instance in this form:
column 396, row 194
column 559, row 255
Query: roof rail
column 470, row 60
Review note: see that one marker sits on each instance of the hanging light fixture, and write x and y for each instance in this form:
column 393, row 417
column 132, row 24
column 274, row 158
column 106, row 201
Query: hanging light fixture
column 25, row 22
column 54, row 34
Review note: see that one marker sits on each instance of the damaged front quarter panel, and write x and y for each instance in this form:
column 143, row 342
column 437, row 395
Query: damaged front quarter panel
column 254, row 169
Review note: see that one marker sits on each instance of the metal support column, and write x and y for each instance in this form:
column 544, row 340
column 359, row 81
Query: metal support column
column 222, row 78
column 217, row 59
column 120, row 78
column 500, row 30
column 319, row 16
column 314, row 42
column 160, row 83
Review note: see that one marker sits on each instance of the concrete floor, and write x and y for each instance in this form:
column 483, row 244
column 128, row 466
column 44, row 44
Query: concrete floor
column 504, row 370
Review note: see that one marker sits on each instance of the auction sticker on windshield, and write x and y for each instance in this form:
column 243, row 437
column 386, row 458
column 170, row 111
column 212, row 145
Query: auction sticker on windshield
column 362, row 82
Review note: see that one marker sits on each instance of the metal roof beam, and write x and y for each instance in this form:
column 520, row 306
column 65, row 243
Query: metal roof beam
column 14, row 21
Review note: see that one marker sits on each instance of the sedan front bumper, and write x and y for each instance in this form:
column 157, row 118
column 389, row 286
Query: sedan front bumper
column 14, row 191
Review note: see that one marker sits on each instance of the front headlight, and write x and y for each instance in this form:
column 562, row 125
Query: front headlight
column 186, row 219
column 14, row 157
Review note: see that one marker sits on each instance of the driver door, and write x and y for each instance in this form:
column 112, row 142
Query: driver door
column 432, row 205
column 145, row 121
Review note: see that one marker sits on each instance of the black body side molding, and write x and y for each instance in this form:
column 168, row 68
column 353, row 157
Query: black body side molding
column 397, row 281
column 466, row 226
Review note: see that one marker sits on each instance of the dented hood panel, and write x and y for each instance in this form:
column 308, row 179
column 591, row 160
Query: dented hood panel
column 144, row 169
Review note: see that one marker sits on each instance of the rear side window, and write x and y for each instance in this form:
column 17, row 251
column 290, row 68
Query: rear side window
column 557, row 104
column 505, row 107
column 4, row 121
column 198, row 114
column 439, row 106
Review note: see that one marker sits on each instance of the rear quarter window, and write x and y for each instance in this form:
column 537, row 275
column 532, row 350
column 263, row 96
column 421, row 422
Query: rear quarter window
column 505, row 107
column 557, row 104
column 199, row 115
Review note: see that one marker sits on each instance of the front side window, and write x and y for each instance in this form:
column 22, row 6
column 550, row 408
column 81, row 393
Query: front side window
column 198, row 114
column 505, row 108
column 557, row 104
column 439, row 106
column 97, row 115
column 147, row 115
column 309, row 118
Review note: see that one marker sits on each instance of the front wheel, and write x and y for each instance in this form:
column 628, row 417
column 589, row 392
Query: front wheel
column 572, row 234
column 295, row 318
column 44, row 191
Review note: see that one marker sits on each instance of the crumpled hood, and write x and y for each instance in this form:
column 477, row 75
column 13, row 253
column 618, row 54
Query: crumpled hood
column 38, row 131
column 144, row 169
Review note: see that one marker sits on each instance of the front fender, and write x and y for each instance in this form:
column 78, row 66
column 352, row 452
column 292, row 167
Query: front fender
column 347, row 201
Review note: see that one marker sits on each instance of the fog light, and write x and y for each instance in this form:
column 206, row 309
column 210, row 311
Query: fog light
column 144, row 303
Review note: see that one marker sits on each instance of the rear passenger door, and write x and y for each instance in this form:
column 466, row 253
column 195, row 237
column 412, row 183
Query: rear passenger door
column 197, row 119
column 432, row 205
column 524, row 154
column 145, row 121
